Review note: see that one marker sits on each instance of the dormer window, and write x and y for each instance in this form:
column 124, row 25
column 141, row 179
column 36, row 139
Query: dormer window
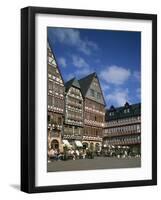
column 111, row 113
column 127, row 110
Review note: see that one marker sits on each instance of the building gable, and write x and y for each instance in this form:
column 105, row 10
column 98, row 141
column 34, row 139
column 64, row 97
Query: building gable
column 94, row 91
column 72, row 83
column 53, row 69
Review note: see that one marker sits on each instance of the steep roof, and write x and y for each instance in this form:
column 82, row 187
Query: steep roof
column 86, row 82
column 49, row 46
column 119, row 112
column 72, row 82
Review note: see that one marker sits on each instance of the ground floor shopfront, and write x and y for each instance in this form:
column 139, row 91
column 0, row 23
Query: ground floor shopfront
column 92, row 145
column 60, row 143
column 55, row 141
column 70, row 138
column 122, row 150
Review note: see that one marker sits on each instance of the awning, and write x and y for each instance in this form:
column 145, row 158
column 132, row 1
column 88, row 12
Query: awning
column 66, row 143
column 78, row 143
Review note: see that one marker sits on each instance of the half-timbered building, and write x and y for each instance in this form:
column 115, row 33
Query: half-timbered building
column 73, row 123
column 94, row 112
column 55, row 99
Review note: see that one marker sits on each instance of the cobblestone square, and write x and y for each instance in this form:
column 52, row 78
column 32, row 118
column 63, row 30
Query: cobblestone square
column 93, row 164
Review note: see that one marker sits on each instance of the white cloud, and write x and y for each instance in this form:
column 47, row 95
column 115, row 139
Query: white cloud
column 72, row 37
column 82, row 68
column 83, row 72
column 79, row 73
column 87, row 46
column 79, row 62
column 115, row 75
column 62, row 62
column 105, row 86
column 119, row 97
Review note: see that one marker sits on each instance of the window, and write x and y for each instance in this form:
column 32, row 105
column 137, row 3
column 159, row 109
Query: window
column 111, row 113
column 59, row 120
column 53, row 100
column 96, row 133
column 50, row 59
column 50, row 85
column 98, row 95
column 60, row 90
column 127, row 110
column 56, row 102
column 138, row 128
column 92, row 92
column 50, row 100
column 95, row 84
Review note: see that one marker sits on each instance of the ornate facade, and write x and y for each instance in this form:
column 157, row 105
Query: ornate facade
column 94, row 112
column 123, row 127
column 73, row 124
column 55, row 102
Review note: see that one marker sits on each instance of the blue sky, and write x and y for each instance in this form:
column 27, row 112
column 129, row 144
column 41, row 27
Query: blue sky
column 114, row 55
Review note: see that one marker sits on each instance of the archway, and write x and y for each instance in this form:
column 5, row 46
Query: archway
column 55, row 144
column 85, row 145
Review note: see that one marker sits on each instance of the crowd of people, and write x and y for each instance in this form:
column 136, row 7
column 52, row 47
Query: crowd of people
column 74, row 154
column 70, row 154
column 121, row 152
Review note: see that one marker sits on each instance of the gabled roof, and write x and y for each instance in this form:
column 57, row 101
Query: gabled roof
column 72, row 82
column 86, row 82
column 49, row 46
column 119, row 112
